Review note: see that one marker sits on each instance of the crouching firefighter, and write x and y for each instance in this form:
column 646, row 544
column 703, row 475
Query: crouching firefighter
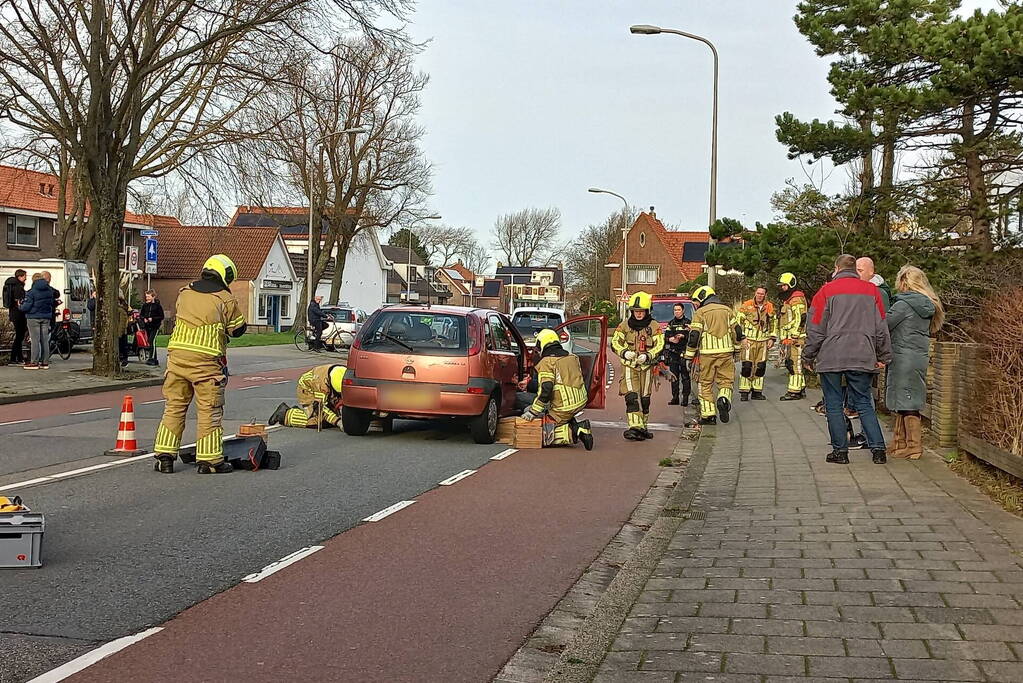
column 793, row 335
column 319, row 399
column 714, row 334
column 759, row 325
column 562, row 394
column 638, row 341
column 206, row 314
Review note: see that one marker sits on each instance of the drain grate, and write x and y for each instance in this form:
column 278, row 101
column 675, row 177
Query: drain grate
column 695, row 514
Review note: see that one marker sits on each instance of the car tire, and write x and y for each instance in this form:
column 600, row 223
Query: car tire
column 355, row 421
column 483, row 427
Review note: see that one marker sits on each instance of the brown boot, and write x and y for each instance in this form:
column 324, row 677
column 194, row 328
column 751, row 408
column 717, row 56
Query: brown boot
column 914, row 436
column 898, row 447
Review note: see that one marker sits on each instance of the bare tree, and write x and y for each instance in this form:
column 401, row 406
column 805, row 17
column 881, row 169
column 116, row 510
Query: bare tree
column 528, row 237
column 475, row 257
column 444, row 243
column 585, row 258
column 129, row 89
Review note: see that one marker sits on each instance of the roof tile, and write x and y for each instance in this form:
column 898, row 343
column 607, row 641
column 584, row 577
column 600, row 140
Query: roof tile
column 183, row 249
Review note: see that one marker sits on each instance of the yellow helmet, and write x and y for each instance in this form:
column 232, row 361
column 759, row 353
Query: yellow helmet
column 223, row 267
column 546, row 337
column 641, row 300
column 337, row 378
column 700, row 294
column 787, row 279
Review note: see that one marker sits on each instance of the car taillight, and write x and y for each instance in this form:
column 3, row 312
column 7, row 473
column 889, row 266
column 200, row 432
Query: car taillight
column 66, row 314
column 475, row 390
column 475, row 337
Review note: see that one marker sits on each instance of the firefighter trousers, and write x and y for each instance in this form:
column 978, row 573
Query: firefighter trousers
column 715, row 369
column 312, row 415
column 636, row 386
column 563, row 433
column 754, row 366
column 794, row 365
column 192, row 375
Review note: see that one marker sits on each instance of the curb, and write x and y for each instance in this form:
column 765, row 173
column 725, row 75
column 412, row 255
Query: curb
column 81, row 391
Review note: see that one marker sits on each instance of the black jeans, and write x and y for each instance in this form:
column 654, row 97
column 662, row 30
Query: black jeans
column 151, row 333
column 20, row 330
column 682, row 379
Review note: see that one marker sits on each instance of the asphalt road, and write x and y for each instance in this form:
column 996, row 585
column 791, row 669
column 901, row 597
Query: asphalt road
column 126, row 549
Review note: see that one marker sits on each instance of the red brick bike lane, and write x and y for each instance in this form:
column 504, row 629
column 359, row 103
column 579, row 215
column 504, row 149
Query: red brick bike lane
column 444, row 590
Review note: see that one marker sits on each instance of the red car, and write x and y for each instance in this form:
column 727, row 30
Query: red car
column 664, row 306
column 432, row 362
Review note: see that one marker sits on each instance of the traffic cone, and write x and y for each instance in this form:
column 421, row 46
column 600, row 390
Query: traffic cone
column 126, row 443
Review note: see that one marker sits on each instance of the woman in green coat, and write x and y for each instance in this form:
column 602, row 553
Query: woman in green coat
column 916, row 315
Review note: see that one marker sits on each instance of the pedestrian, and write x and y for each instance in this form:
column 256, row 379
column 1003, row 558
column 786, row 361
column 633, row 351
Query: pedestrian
column 319, row 399
column 915, row 316
column 38, row 307
column 865, row 271
column 638, row 341
column 316, row 321
column 847, row 338
column 676, row 332
column 206, row 314
column 123, row 321
column 562, row 394
column 57, row 301
column 715, row 335
column 760, row 329
column 13, row 295
column 151, row 315
column 792, row 331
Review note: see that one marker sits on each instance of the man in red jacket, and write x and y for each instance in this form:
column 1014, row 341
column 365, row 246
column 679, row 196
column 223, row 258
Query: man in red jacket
column 846, row 336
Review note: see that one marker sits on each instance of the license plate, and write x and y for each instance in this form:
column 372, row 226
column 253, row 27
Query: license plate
column 409, row 399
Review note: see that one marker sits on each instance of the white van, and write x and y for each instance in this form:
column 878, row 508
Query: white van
column 71, row 279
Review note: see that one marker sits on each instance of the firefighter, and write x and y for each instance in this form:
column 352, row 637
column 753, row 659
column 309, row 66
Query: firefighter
column 760, row 327
column 675, row 334
column 792, row 330
column 562, row 394
column 206, row 314
column 714, row 334
column 319, row 399
column 638, row 341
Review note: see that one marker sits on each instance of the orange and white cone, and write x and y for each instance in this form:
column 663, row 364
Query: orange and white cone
column 126, row 443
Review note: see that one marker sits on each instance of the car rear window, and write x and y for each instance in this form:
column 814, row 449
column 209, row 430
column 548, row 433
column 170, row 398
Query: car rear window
column 425, row 332
column 663, row 311
column 340, row 315
column 529, row 323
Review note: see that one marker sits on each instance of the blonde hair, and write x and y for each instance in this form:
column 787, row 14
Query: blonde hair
column 912, row 279
column 37, row 276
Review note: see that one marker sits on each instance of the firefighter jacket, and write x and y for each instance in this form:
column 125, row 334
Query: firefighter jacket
column 646, row 339
column 205, row 314
column 562, row 386
column 314, row 387
column 759, row 323
column 792, row 324
column 715, row 330
column 674, row 351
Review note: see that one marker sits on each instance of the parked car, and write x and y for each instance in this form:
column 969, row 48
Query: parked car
column 449, row 362
column 530, row 320
column 664, row 306
column 343, row 322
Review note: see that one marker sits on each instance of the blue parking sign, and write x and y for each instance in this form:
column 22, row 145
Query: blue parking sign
column 151, row 249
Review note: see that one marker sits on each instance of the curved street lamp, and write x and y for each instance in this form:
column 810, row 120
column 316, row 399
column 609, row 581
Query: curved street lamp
column 625, row 238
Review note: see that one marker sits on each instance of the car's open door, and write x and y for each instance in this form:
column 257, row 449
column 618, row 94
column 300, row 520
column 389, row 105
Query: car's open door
column 587, row 339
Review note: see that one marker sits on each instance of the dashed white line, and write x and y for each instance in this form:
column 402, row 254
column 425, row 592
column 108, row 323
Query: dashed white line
column 390, row 510
column 13, row 422
column 254, row 386
column 280, row 564
column 89, row 658
column 38, row 480
column 149, row 403
column 283, row 381
column 504, row 454
column 457, row 477
column 86, row 412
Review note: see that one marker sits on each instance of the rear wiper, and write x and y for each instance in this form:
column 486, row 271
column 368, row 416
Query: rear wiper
column 396, row 341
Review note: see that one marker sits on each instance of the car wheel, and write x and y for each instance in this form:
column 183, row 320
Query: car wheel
column 355, row 421
column 484, row 426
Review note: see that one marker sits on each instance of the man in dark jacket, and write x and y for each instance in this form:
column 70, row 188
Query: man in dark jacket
column 316, row 321
column 14, row 294
column 676, row 333
column 847, row 337
column 151, row 317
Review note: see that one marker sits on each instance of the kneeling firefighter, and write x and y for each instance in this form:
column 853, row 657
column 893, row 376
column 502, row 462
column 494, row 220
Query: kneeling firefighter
column 206, row 314
column 638, row 341
column 319, row 399
column 715, row 334
column 562, row 394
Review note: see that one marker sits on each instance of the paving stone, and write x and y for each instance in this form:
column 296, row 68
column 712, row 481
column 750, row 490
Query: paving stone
column 650, row 641
column 618, row 676
column 733, row 609
column 842, row 629
column 876, row 614
column 906, row 649
column 781, row 665
column 921, row 631
column 971, row 649
column 885, row 599
column 939, row 670
column 1006, row 634
column 773, row 597
column 981, row 600
column 692, row 625
column 954, row 615
column 703, row 596
column 682, row 661
column 1003, row 672
column 726, row 642
column 663, row 609
column 804, row 584
column 838, row 598
column 849, row 667
column 640, row 625
column 767, row 627
column 805, row 646
column 676, row 584
column 805, row 612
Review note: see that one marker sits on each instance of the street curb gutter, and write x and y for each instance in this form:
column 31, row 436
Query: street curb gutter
column 81, row 391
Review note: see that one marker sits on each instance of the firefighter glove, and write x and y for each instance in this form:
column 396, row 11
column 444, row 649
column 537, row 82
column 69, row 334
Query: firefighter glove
column 629, row 354
column 528, row 415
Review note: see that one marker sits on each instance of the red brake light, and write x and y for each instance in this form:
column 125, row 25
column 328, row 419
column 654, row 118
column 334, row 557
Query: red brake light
column 475, row 335
column 348, row 381
column 475, row 390
column 66, row 314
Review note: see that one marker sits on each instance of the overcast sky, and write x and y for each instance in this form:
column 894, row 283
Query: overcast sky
column 531, row 102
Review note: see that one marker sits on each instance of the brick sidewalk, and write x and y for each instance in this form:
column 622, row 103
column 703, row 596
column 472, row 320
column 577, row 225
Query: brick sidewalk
column 806, row 570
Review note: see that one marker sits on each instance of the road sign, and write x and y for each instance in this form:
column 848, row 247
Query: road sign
column 151, row 249
column 151, row 267
column 149, row 233
column 132, row 259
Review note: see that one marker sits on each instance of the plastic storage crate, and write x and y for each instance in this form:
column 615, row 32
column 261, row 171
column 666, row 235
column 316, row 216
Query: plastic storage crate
column 21, row 539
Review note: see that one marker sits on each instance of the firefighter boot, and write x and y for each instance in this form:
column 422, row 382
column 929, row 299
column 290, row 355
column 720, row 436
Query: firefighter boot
column 278, row 415
column 724, row 407
column 584, row 434
column 793, row 396
column 743, row 395
column 164, row 464
column 633, row 434
column 707, row 420
column 222, row 467
column 757, row 396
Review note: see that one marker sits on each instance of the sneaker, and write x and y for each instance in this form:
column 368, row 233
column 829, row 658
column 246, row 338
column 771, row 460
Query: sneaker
column 31, row 366
column 838, row 457
column 858, row 443
column 879, row 456
column 222, row 467
column 724, row 406
column 44, row 366
column 707, row 420
column 278, row 415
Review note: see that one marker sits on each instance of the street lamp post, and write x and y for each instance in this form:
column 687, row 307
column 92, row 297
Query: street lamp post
column 625, row 237
column 310, row 286
column 647, row 30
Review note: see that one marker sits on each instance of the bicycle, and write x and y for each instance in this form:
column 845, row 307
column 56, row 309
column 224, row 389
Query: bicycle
column 334, row 342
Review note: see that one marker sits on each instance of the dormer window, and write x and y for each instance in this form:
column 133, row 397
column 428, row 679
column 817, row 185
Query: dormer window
column 42, row 189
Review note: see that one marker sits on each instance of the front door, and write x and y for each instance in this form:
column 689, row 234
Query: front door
column 273, row 312
column 587, row 337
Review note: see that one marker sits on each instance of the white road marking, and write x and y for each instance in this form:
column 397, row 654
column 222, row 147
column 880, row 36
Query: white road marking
column 377, row 516
column 504, row 454
column 40, row 480
column 149, row 403
column 283, row 381
column 254, row 386
column 653, row 426
column 457, row 477
column 86, row 412
column 89, row 658
column 280, row 564
column 13, row 422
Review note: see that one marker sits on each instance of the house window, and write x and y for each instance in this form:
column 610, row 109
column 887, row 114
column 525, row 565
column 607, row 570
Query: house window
column 22, row 231
column 642, row 275
column 642, row 239
column 413, row 274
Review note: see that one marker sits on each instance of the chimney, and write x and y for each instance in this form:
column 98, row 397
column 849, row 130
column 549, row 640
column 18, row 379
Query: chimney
column 653, row 214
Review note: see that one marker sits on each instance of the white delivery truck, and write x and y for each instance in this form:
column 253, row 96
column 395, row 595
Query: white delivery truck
column 72, row 280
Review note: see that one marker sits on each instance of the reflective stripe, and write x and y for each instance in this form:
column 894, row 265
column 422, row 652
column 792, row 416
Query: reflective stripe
column 707, row 408
column 296, row 417
column 167, row 441
column 211, row 446
column 207, row 339
column 635, row 419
